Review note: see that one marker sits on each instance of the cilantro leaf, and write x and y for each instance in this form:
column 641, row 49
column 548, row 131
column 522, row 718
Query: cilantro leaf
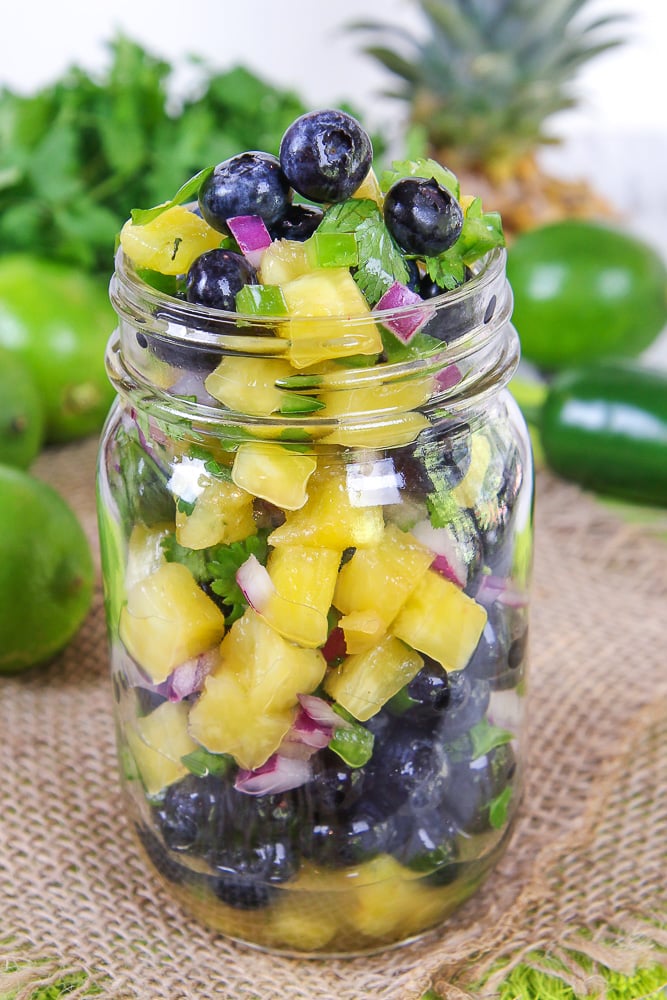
column 222, row 564
column 499, row 807
column 486, row 737
column 187, row 192
column 420, row 167
column 381, row 262
column 193, row 559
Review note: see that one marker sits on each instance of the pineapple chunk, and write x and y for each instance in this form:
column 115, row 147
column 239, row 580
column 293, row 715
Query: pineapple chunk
column 273, row 473
column 469, row 491
column 364, row 682
column 391, row 432
column 284, row 261
column 441, row 621
column 248, row 385
column 388, row 397
column 329, row 519
column 249, row 702
column 171, row 242
column 304, row 577
column 362, row 630
column 395, row 900
column 222, row 514
column 144, row 552
column 370, row 188
column 227, row 719
column 327, row 310
column 167, row 620
column 158, row 742
column 382, row 577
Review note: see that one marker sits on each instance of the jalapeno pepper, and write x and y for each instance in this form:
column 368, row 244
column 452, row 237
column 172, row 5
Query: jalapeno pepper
column 605, row 427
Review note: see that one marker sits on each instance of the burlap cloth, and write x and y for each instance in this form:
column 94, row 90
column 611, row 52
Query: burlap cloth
column 586, row 870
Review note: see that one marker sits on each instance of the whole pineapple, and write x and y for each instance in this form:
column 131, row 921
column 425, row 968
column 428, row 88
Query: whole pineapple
column 480, row 85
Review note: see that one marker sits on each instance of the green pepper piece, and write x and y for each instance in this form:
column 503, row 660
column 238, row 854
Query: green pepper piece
column 332, row 250
column 261, row 300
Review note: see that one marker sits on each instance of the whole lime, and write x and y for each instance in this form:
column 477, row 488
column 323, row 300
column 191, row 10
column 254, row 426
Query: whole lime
column 21, row 413
column 583, row 290
column 46, row 572
column 58, row 321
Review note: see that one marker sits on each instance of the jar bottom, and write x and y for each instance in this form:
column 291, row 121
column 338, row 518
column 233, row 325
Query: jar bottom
column 319, row 917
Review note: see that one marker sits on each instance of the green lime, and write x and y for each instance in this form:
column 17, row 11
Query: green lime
column 21, row 413
column 59, row 320
column 584, row 291
column 46, row 572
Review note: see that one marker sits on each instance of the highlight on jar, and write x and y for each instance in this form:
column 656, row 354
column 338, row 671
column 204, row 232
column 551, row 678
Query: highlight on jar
column 315, row 509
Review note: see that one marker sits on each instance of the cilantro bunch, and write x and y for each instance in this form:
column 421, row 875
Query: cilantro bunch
column 78, row 154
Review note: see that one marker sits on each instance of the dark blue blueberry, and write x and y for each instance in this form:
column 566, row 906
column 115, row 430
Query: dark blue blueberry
column 422, row 216
column 349, row 839
column 216, row 277
column 185, row 816
column 427, row 694
column 242, row 893
column 163, row 862
column 325, row 155
column 414, row 276
column 247, row 184
column 475, row 784
column 335, row 788
column 468, row 701
column 431, row 842
column 501, row 648
column 298, row 223
column 409, row 765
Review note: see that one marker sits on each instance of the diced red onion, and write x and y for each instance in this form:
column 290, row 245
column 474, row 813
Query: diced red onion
column 255, row 582
column 189, row 677
column 448, row 377
column 334, row 646
column 252, row 236
column 448, row 559
column 499, row 588
column 405, row 326
column 320, row 711
column 279, row 774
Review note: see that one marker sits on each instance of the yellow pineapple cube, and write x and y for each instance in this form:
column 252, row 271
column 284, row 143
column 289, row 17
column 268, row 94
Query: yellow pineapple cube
column 329, row 318
column 171, row 242
column 144, row 552
column 274, row 473
column 441, row 621
column 157, row 743
column 381, row 577
column 227, row 719
column 222, row 514
column 468, row 492
column 248, row 385
column 304, row 579
column 388, row 432
column 283, row 261
column 365, row 681
column 362, row 630
column 386, row 398
column 370, row 188
column 168, row 619
column 330, row 519
column 393, row 900
column 249, row 702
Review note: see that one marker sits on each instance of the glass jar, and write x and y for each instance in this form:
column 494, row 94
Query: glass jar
column 316, row 545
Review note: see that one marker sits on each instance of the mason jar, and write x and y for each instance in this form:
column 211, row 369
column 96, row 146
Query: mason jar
column 316, row 540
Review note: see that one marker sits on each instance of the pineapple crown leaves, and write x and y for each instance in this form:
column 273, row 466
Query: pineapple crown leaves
column 485, row 74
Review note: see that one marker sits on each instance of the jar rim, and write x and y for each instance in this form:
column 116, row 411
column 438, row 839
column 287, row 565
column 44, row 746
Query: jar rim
column 202, row 320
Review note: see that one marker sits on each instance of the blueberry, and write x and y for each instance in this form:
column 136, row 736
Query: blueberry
column 427, row 694
column 468, row 701
column 335, row 787
column 431, row 842
column 414, row 277
column 185, row 815
column 409, row 765
column 215, row 278
column 242, row 893
column 325, row 155
column 501, row 648
column 422, row 216
column 475, row 784
column 247, row 184
column 298, row 223
column 164, row 864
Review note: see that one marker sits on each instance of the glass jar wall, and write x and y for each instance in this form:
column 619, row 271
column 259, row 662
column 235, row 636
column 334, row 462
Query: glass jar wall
column 316, row 551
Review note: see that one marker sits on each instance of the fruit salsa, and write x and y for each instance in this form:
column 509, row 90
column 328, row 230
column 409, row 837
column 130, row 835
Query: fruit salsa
column 315, row 512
